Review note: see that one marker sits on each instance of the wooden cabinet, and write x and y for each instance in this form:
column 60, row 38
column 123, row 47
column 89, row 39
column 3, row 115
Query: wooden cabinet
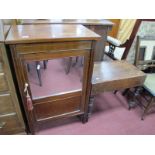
column 11, row 121
column 60, row 94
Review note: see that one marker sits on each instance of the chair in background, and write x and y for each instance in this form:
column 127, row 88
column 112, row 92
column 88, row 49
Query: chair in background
column 38, row 66
column 145, row 63
column 115, row 50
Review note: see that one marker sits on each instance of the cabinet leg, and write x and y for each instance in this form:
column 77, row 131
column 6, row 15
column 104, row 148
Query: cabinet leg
column 84, row 118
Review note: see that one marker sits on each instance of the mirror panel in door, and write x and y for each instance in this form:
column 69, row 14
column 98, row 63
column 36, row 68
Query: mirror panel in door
column 55, row 76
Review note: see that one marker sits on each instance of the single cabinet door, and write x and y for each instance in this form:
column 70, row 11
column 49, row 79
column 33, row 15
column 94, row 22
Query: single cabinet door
column 53, row 79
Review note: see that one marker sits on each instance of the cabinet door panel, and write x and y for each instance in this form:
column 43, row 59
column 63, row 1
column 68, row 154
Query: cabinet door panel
column 53, row 80
column 57, row 108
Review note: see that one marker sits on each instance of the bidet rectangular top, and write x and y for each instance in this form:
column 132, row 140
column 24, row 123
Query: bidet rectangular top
column 49, row 33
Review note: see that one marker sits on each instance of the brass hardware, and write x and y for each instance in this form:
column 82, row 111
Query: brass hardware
column 26, row 88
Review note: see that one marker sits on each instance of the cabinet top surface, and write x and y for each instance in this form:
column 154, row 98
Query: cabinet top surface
column 68, row 21
column 49, row 33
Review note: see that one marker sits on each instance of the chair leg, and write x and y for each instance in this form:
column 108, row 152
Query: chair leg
column 45, row 64
column 147, row 108
column 76, row 61
column 69, row 64
column 28, row 67
column 38, row 72
column 82, row 59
